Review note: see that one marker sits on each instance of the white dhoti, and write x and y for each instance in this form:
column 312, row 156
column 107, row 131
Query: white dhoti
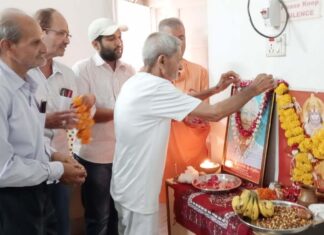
column 133, row 223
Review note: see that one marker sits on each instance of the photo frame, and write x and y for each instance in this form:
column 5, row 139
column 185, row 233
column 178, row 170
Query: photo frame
column 247, row 137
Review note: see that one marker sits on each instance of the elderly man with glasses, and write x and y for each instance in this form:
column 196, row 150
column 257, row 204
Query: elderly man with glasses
column 25, row 166
column 54, row 79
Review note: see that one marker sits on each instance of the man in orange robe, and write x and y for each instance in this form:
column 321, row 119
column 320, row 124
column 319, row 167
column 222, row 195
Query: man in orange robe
column 187, row 142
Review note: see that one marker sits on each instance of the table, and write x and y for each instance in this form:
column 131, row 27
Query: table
column 191, row 211
column 201, row 213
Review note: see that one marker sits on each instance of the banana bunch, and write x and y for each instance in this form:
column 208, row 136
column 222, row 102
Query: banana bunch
column 266, row 208
column 249, row 205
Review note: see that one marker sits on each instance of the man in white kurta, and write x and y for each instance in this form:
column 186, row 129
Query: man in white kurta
column 142, row 125
column 143, row 112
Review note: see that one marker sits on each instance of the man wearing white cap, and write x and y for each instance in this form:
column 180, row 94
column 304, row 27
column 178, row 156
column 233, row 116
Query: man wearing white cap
column 103, row 74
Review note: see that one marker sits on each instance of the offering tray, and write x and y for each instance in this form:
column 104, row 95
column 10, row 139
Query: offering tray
column 262, row 230
column 216, row 182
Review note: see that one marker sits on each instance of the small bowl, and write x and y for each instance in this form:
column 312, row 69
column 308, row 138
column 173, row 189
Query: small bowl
column 211, row 170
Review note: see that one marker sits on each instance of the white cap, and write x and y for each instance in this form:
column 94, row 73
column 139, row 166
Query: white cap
column 104, row 27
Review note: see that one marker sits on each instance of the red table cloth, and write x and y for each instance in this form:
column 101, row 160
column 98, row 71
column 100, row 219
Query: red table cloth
column 207, row 213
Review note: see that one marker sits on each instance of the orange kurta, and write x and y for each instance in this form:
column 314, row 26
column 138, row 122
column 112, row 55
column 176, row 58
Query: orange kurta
column 187, row 145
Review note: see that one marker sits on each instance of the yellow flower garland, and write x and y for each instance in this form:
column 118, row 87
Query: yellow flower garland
column 303, row 169
column 307, row 147
column 85, row 120
column 317, row 144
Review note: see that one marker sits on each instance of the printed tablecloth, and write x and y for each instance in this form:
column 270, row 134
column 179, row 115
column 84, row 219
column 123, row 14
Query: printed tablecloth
column 207, row 213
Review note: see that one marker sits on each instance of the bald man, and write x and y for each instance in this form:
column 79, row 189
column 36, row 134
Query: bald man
column 25, row 166
column 141, row 140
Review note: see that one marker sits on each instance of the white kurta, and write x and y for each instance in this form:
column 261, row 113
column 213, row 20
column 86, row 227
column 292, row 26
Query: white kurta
column 143, row 114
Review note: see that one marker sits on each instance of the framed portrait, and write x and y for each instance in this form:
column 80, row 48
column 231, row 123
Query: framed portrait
column 247, row 136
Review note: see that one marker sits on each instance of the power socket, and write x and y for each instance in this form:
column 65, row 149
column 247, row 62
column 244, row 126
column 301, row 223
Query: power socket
column 276, row 47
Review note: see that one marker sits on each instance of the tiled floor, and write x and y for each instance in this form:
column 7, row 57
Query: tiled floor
column 78, row 228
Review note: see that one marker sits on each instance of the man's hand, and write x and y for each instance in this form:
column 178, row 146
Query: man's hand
column 61, row 157
column 70, row 159
column 226, row 79
column 61, row 120
column 74, row 173
column 262, row 83
column 89, row 100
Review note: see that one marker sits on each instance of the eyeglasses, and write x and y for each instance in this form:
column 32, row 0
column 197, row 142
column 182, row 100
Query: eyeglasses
column 61, row 33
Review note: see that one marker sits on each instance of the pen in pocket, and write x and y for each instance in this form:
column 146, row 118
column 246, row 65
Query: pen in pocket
column 42, row 108
column 66, row 92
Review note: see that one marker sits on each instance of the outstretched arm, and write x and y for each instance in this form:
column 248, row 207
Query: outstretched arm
column 228, row 106
column 225, row 80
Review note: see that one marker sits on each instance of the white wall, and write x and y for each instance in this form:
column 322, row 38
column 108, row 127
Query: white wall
column 138, row 19
column 234, row 45
column 193, row 14
column 142, row 20
column 78, row 13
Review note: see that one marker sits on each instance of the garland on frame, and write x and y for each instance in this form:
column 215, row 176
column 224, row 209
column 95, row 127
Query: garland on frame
column 243, row 134
column 250, row 132
column 306, row 150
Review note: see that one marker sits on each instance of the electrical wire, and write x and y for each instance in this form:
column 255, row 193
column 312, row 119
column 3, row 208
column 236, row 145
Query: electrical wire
column 262, row 34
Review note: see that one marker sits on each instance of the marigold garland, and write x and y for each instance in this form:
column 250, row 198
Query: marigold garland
column 306, row 147
column 317, row 144
column 85, row 120
column 303, row 169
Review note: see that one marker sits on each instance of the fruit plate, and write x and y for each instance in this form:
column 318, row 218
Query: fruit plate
column 263, row 230
column 216, row 182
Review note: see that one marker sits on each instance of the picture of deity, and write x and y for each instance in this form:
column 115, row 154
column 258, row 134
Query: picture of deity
column 313, row 114
column 310, row 108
